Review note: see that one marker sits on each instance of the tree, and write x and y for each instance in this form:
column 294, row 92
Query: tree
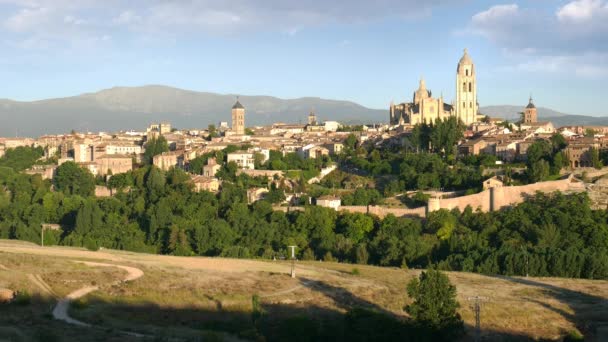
column 350, row 142
column 212, row 131
column 596, row 162
column 72, row 179
column 155, row 147
column 435, row 305
column 558, row 142
column 539, row 171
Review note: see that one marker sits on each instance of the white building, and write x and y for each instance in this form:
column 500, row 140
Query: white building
column 244, row 159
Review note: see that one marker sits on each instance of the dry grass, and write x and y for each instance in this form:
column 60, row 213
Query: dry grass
column 187, row 295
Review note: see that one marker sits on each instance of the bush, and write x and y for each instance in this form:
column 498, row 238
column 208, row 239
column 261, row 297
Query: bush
column 23, row 298
column 329, row 257
column 573, row 336
column 355, row 271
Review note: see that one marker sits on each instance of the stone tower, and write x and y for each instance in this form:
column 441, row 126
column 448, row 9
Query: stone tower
column 238, row 118
column 312, row 118
column 466, row 90
column 530, row 115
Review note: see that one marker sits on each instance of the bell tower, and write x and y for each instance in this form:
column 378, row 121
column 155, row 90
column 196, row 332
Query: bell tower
column 530, row 115
column 238, row 118
column 466, row 90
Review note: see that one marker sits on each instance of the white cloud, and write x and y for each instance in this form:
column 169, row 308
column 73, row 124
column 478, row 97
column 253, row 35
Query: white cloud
column 28, row 19
column 572, row 40
column 582, row 10
column 496, row 13
column 584, row 65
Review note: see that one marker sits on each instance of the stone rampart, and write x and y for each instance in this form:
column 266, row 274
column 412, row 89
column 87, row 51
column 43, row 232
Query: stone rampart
column 499, row 197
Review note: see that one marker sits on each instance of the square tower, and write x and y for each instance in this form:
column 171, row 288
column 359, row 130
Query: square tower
column 238, row 118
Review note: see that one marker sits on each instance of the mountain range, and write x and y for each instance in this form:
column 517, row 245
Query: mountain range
column 125, row 108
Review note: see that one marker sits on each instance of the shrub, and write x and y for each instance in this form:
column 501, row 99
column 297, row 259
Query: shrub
column 355, row 271
column 573, row 336
column 23, row 298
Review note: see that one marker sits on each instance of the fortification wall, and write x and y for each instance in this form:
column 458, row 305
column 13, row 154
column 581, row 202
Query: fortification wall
column 383, row 211
column 500, row 197
column 480, row 200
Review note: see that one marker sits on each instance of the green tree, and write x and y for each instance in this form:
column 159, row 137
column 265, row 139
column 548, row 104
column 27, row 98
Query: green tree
column 435, row 304
column 539, row 171
column 596, row 162
column 155, row 146
column 72, row 179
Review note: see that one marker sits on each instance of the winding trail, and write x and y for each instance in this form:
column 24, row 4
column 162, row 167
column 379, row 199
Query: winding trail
column 60, row 311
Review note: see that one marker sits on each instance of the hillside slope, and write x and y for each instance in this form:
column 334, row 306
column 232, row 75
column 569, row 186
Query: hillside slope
column 185, row 296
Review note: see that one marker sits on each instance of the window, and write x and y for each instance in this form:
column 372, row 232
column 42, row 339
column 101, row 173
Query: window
column 467, row 72
column 470, row 87
column 470, row 104
column 464, row 86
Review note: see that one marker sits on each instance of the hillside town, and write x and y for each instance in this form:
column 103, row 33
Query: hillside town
column 106, row 154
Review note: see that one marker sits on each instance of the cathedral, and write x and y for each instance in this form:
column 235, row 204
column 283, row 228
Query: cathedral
column 426, row 108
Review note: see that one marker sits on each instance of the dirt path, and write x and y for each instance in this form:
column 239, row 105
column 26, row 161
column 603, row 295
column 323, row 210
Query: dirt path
column 284, row 292
column 38, row 281
column 60, row 311
column 4, row 268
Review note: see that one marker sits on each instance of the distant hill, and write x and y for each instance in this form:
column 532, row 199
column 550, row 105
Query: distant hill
column 136, row 107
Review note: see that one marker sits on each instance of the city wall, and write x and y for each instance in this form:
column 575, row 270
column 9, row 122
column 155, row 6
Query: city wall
column 499, row 197
column 488, row 200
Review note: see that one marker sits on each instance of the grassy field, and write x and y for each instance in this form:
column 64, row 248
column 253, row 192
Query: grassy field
column 211, row 298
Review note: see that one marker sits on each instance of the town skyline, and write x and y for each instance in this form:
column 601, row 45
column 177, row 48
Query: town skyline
column 371, row 56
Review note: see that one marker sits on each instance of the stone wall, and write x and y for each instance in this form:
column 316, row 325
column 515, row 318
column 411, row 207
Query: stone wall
column 499, row 197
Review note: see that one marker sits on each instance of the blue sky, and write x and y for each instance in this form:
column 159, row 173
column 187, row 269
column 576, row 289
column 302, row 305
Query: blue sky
column 370, row 52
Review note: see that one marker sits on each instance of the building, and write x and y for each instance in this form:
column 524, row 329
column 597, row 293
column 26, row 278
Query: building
column 329, row 202
column 167, row 160
column 204, row 183
column 212, row 167
column 425, row 108
column 238, row 118
column 244, row 159
column 312, row 151
column 530, row 115
column 334, row 148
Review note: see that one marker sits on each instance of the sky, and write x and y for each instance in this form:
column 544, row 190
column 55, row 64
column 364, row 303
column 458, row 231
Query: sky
column 369, row 52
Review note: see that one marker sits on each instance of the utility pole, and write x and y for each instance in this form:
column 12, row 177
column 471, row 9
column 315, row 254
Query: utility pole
column 476, row 306
column 293, row 261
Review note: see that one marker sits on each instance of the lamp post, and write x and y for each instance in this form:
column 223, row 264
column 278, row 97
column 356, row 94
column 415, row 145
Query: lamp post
column 293, row 261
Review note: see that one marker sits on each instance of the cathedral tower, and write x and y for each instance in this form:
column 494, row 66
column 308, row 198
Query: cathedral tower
column 466, row 90
column 238, row 118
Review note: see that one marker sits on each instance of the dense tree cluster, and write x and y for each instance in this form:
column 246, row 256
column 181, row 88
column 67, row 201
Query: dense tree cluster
column 546, row 158
column 548, row 235
column 21, row 158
